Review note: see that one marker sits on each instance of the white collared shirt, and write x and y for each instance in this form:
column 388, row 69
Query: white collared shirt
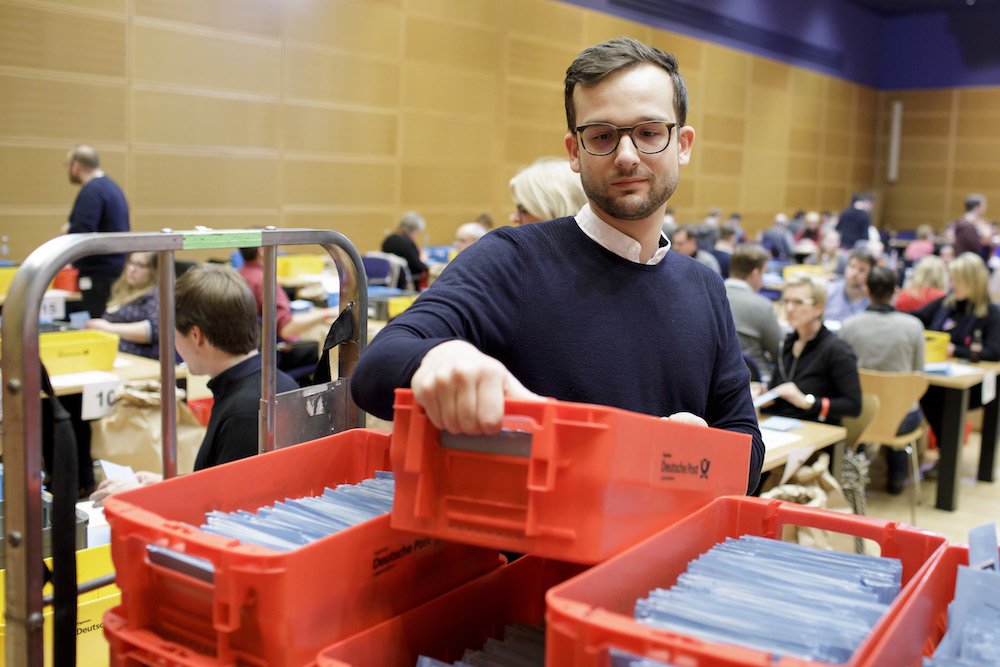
column 607, row 236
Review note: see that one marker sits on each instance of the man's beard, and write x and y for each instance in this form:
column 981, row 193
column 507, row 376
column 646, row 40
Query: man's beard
column 627, row 207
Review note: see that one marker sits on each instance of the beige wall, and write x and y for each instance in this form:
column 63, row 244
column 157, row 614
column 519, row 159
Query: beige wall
column 344, row 113
column 949, row 147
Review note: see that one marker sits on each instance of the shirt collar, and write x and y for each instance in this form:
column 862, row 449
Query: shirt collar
column 224, row 381
column 620, row 244
column 738, row 282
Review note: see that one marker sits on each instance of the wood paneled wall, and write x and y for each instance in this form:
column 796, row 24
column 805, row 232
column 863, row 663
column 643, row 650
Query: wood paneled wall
column 343, row 114
column 949, row 148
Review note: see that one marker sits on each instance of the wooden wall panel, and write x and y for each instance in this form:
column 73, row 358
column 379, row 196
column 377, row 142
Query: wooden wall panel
column 488, row 13
column 327, row 76
column 444, row 43
column 446, row 139
column 168, row 56
column 300, row 112
column 350, row 27
column 184, row 181
column 342, row 132
column 432, row 185
column 68, row 111
column 181, row 119
column 33, row 38
column 339, row 183
column 257, row 17
column 430, row 88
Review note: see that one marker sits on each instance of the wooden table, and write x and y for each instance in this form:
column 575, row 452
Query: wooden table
column 127, row 367
column 814, row 435
column 946, row 405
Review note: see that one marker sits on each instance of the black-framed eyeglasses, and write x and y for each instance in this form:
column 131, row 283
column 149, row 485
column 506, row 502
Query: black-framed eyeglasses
column 653, row 136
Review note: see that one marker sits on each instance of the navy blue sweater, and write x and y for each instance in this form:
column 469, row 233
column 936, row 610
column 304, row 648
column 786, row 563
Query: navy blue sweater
column 100, row 206
column 576, row 322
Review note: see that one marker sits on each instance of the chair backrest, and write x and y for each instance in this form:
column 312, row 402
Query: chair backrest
column 400, row 267
column 380, row 271
column 856, row 425
column 897, row 392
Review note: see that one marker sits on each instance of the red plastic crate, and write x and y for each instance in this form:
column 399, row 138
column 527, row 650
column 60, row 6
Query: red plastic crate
column 923, row 620
column 262, row 606
column 596, row 479
column 593, row 612
column 201, row 408
column 458, row 620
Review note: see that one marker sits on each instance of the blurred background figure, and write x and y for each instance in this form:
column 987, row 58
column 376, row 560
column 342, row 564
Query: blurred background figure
column 546, row 190
column 830, row 255
column 485, row 219
column 133, row 312
column 468, row 234
column 403, row 242
column 855, row 220
column 777, row 239
column 100, row 206
column 921, row 246
column 929, row 282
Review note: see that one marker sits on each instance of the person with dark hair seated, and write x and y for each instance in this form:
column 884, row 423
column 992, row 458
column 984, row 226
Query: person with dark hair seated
column 217, row 334
column 886, row 340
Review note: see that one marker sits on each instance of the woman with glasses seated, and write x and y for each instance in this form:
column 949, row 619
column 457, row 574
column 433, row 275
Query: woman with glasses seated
column 816, row 375
column 546, row 190
column 134, row 309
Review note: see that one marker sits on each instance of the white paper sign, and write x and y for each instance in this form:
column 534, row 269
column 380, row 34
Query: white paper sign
column 98, row 399
column 53, row 308
column 989, row 387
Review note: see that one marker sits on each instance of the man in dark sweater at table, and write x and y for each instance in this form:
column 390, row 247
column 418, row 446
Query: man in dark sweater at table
column 100, row 206
column 217, row 334
column 594, row 308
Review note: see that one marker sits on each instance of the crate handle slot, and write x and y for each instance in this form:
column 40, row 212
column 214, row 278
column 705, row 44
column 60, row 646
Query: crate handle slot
column 197, row 568
column 511, row 441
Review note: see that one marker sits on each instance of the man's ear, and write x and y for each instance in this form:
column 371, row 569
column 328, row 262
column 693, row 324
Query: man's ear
column 573, row 148
column 686, row 140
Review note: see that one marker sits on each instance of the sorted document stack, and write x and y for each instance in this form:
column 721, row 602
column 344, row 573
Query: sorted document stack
column 290, row 524
column 522, row 646
column 973, row 616
column 778, row 597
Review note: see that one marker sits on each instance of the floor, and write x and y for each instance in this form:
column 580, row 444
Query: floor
column 978, row 502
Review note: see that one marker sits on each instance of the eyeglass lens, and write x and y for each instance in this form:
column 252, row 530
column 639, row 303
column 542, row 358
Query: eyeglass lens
column 603, row 138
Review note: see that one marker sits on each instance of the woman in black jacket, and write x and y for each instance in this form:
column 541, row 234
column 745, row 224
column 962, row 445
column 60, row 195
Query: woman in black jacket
column 967, row 314
column 817, row 373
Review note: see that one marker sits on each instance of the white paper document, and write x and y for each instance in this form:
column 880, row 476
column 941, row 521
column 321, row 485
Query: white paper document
column 114, row 470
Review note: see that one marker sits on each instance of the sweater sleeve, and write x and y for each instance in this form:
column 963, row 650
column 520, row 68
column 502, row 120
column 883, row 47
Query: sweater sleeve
column 464, row 303
column 843, row 364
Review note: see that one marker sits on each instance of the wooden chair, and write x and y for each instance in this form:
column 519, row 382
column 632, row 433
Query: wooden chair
column 896, row 392
column 856, row 425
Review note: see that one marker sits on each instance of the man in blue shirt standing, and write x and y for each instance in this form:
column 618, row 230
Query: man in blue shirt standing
column 100, row 206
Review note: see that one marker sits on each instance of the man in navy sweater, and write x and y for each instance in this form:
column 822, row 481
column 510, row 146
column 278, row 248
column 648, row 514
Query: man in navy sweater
column 594, row 308
column 100, row 206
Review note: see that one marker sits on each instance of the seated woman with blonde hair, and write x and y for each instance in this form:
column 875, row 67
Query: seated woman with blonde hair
column 546, row 190
column 967, row 314
column 133, row 312
column 929, row 283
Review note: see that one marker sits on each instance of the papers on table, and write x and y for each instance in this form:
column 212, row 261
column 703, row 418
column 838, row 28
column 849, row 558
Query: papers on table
column 114, row 470
column 778, row 423
column 83, row 378
column 950, row 368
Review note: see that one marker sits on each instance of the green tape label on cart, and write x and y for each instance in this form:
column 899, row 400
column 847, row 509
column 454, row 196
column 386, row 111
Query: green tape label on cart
column 223, row 238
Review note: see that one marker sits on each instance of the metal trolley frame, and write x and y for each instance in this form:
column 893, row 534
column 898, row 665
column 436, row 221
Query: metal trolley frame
column 22, row 385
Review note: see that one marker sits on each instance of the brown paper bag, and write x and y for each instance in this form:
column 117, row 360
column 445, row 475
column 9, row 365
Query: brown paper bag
column 130, row 434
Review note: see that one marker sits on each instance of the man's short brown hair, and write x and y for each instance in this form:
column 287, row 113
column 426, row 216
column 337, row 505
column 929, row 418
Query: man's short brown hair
column 219, row 302
column 745, row 258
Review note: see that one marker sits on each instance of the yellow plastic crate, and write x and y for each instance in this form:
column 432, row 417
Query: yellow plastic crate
column 77, row 351
column 811, row 269
column 290, row 266
column 936, row 346
column 91, row 646
column 398, row 304
column 6, row 275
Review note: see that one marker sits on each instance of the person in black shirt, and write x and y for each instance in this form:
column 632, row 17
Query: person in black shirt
column 402, row 242
column 217, row 335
